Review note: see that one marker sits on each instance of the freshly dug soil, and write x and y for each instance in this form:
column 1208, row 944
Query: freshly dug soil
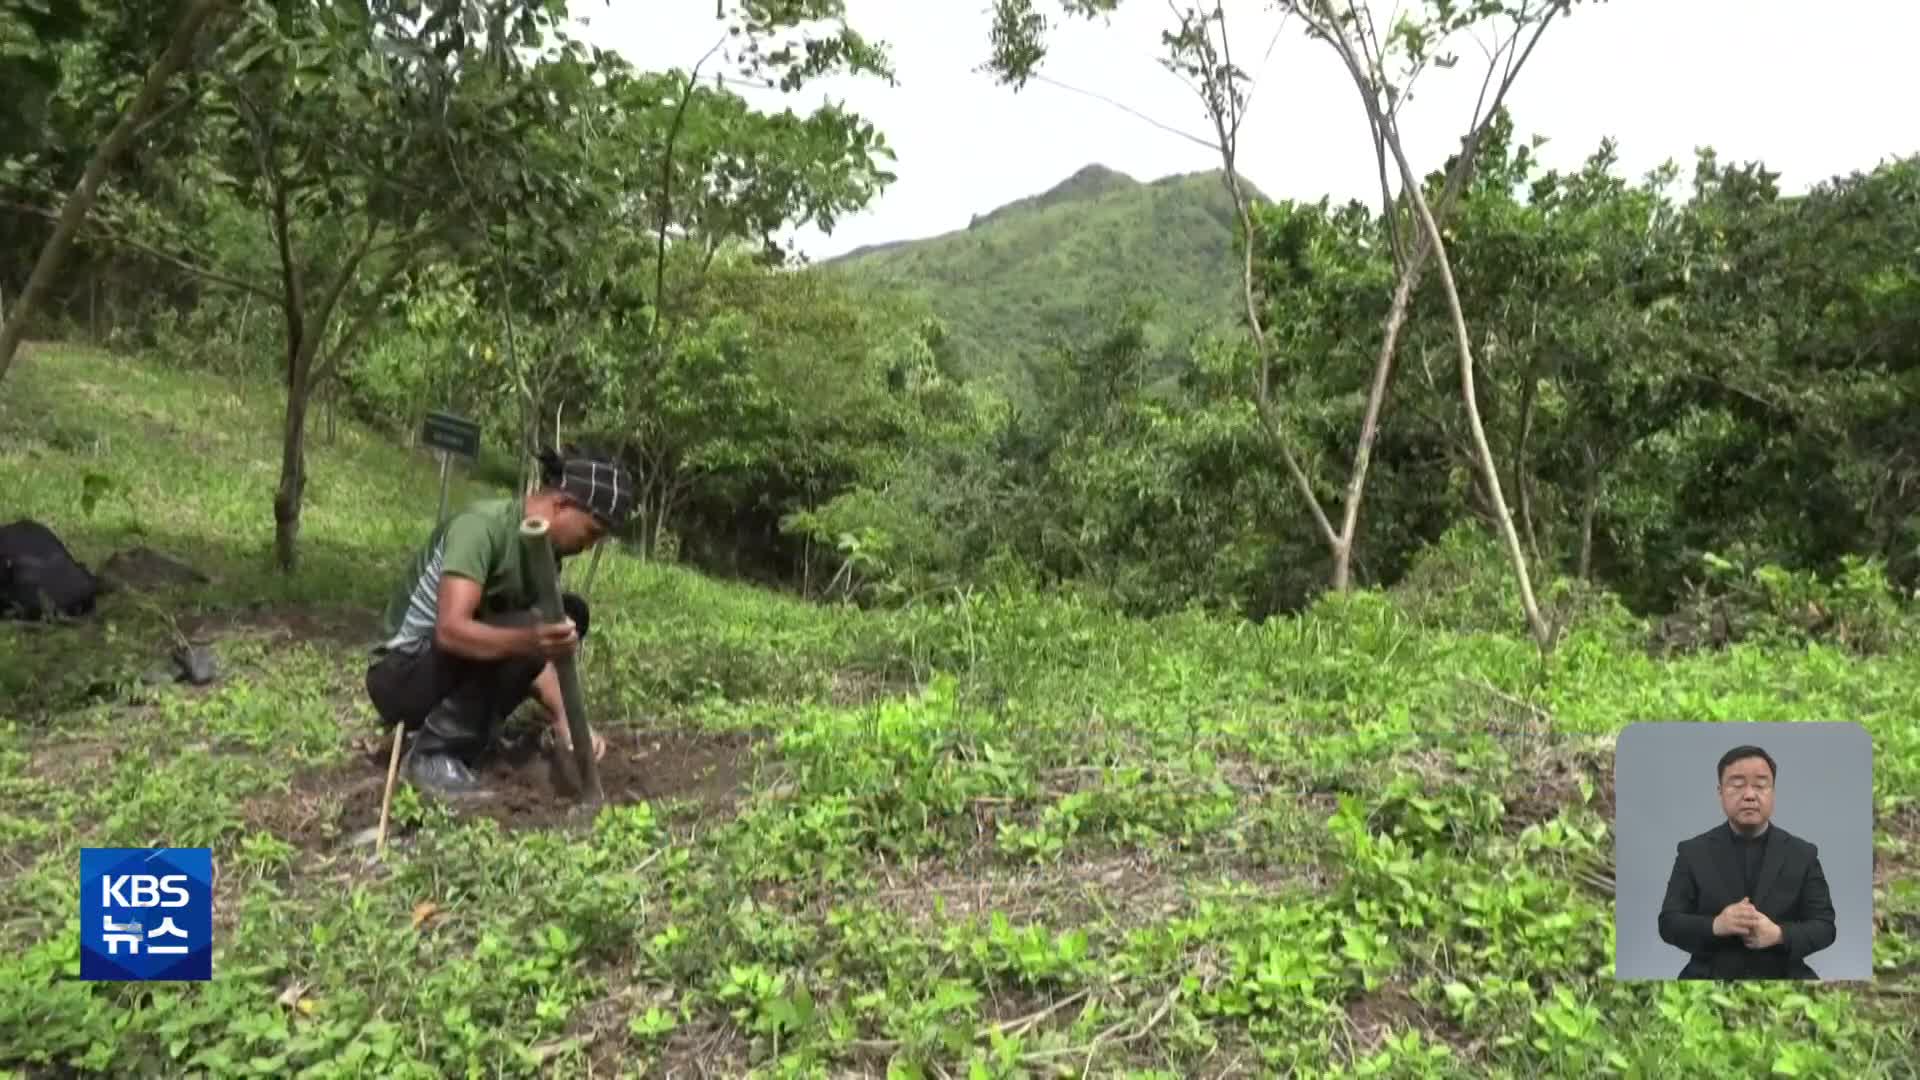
column 527, row 789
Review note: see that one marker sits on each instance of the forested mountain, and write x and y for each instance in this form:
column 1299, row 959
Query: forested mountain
column 1025, row 277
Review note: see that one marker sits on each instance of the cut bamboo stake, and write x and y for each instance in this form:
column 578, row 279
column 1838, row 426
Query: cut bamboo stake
column 546, row 583
column 386, row 800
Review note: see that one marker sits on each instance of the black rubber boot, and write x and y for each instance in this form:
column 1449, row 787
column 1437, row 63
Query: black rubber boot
column 441, row 773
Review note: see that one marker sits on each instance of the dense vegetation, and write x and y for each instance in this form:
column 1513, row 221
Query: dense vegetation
column 1720, row 370
column 1672, row 368
column 1093, row 724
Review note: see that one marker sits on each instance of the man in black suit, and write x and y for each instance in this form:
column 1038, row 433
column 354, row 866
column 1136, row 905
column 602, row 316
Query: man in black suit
column 1747, row 898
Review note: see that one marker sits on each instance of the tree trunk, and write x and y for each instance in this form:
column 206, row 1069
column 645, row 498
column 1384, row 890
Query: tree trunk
column 1226, row 131
column 1521, row 473
column 1586, row 537
column 1342, row 552
column 658, row 527
column 1543, row 633
column 530, row 440
column 1262, row 376
column 293, row 459
column 1590, row 505
column 1342, row 545
column 80, row 202
column 670, row 497
column 306, row 330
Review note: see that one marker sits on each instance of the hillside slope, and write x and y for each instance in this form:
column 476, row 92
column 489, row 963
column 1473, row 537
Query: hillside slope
column 1057, row 265
column 895, row 836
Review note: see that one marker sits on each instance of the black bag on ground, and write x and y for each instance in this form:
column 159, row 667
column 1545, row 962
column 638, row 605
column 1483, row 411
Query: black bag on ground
column 39, row 578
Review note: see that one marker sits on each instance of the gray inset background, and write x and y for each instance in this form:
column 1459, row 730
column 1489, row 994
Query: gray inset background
column 1663, row 782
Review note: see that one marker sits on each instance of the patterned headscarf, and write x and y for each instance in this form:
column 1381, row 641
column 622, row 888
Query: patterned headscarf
column 598, row 483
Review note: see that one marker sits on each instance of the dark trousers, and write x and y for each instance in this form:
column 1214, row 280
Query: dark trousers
column 457, row 704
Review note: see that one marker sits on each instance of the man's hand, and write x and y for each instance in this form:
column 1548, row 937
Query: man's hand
column 563, row 739
column 553, row 641
column 1736, row 920
column 1762, row 932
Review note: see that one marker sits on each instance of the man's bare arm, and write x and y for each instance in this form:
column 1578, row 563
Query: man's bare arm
column 547, row 687
column 457, row 631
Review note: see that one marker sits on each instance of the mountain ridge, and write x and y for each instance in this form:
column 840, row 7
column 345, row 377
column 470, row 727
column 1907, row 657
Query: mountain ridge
column 1089, row 181
column 1052, row 268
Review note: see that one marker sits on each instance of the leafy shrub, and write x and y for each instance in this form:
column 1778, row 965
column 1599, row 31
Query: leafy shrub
column 1462, row 582
column 1855, row 609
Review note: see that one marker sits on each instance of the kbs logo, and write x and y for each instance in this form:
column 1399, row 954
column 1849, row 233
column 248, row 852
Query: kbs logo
column 146, row 890
column 146, row 914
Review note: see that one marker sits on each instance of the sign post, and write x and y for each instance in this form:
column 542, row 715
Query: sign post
column 449, row 435
column 446, row 460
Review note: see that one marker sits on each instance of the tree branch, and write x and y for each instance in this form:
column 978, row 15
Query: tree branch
column 362, row 323
column 1543, row 632
column 346, row 275
column 13, row 324
column 1128, row 109
column 1232, row 98
column 402, row 241
column 665, row 216
column 1226, row 131
column 279, row 225
column 1387, row 210
column 117, row 240
column 1268, row 55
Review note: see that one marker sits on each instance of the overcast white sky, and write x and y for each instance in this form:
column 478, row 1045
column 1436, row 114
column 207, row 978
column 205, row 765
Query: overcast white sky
column 1811, row 89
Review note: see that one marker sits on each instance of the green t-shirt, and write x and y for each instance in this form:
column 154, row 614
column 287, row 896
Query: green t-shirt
column 481, row 542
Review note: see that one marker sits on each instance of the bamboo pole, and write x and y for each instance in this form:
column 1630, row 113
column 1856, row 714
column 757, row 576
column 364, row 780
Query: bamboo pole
column 540, row 564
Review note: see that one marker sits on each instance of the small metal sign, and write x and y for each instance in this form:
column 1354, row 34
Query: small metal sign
column 454, row 434
column 449, row 435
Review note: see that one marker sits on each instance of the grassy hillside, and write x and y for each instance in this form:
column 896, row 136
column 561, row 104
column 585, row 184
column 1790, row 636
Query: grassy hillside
column 1057, row 263
column 1004, row 838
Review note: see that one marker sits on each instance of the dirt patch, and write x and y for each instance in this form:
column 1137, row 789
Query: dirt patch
column 1556, row 788
column 341, row 626
column 705, row 1048
column 1904, row 824
column 1128, row 889
column 56, row 765
column 533, row 790
column 959, row 891
column 144, row 569
column 1375, row 1015
column 526, row 790
column 313, row 812
column 1546, row 776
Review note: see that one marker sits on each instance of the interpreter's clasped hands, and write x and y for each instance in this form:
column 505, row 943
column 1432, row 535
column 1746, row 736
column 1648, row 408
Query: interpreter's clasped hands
column 1748, row 923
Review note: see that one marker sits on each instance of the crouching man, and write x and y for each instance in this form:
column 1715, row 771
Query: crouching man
column 464, row 645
